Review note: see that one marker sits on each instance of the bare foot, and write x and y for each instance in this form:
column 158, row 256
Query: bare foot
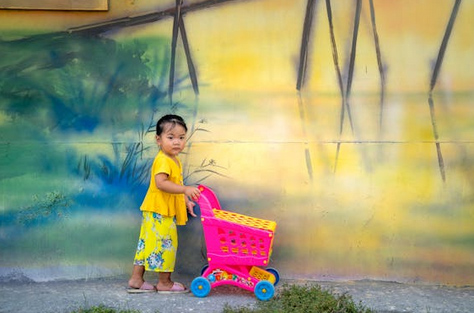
column 164, row 285
column 144, row 288
column 173, row 288
column 135, row 283
column 136, row 280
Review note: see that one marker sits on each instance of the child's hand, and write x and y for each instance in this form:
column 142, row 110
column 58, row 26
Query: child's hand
column 190, row 206
column 192, row 193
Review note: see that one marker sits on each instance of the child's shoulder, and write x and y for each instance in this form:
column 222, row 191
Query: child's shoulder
column 162, row 157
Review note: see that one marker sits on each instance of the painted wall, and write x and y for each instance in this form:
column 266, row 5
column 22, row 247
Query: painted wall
column 355, row 137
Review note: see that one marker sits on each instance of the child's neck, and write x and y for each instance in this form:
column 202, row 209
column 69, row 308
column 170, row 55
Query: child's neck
column 172, row 157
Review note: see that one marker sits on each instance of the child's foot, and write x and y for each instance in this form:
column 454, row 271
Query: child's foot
column 172, row 287
column 144, row 287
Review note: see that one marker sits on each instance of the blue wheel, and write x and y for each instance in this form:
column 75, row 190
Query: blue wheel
column 264, row 290
column 211, row 278
column 200, row 287
column 275, row 273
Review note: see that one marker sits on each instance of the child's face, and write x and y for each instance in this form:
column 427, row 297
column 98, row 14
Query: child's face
column 172, row 140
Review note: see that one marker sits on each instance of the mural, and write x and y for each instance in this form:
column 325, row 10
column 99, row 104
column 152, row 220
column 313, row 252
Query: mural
column 99, row 5
column 347, row 122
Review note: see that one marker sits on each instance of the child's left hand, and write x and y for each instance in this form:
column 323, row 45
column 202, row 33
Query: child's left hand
column 190, row 206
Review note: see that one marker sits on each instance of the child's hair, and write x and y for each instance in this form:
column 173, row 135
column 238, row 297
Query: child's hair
column 170, row 118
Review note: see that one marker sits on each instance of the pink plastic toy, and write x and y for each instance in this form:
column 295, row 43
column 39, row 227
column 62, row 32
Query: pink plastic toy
column 236, row 246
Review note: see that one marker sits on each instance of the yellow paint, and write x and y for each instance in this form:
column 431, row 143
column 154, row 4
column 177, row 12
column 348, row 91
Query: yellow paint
column 381, row 211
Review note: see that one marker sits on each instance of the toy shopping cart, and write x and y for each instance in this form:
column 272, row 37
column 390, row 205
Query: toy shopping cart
column 237, row 245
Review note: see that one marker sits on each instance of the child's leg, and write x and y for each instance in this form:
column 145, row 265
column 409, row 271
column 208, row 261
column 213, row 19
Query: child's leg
column 157, row 251
column 168, row 243
column 164, row 281
column 136, row 280
column 166, row 285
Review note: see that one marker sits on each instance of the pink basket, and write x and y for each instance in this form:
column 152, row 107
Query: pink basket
column 232, row 238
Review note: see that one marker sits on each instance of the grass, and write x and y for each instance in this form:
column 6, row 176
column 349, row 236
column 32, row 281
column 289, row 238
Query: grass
column 291, row 298
column 304, row 299
column 103, row 309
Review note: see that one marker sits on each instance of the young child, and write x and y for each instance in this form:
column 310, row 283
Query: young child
column 163, row 208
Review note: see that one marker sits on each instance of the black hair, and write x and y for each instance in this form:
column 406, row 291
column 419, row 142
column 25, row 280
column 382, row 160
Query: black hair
column 169, row 118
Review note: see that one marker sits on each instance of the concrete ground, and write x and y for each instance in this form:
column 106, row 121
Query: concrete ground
column 66, row 296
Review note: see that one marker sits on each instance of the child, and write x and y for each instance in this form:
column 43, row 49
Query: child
column 163, row 208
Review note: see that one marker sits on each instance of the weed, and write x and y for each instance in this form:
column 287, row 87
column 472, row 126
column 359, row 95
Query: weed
column 304, row 299
column 103, row 309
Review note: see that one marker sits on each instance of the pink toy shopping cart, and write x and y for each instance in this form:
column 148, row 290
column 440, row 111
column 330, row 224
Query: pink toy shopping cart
column 237, row 246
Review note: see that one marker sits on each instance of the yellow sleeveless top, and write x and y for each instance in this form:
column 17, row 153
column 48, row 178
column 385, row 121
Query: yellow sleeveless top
column 166, row 204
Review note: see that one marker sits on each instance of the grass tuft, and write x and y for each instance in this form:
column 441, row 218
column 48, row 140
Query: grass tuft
column 103, row 309
column 304, row 299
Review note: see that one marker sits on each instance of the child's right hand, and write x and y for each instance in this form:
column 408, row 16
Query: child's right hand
column 192, row 193
column 190, row 206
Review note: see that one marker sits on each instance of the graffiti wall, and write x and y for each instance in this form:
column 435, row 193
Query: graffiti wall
column 350, row 123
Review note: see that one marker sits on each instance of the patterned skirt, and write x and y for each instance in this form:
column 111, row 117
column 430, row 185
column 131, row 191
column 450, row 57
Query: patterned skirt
column 158, row 243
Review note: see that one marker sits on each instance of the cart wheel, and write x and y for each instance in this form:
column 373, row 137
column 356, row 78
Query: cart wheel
column 275, row 273
column 204, row 268
column 264, row 290
column 200, row 287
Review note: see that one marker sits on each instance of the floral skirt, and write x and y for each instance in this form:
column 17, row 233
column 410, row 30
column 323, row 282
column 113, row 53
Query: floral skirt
column 158, row 243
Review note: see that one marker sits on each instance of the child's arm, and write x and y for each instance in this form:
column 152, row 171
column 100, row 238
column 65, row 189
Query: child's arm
column 164, row 184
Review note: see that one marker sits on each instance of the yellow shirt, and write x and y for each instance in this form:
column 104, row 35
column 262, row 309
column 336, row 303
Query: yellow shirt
column 166, row 204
